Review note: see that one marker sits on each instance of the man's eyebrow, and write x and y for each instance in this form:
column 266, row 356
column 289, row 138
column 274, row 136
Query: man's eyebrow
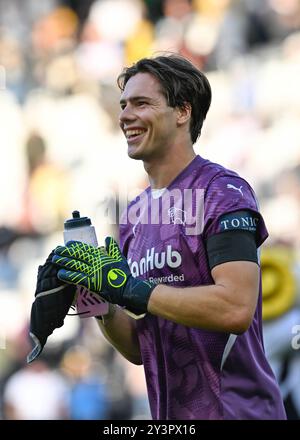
column 134, row 98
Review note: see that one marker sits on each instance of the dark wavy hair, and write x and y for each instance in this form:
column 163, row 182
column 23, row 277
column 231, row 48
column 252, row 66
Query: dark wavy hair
column 181, row 83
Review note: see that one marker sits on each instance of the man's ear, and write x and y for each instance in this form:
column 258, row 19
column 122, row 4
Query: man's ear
column 184, row 114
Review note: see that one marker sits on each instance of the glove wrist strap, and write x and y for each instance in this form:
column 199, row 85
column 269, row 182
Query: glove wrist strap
column 137, row 294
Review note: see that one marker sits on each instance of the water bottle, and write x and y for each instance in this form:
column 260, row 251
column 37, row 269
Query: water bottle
column 81, row 229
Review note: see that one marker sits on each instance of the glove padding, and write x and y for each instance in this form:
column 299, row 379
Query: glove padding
column 53, row 299
column 104, row 271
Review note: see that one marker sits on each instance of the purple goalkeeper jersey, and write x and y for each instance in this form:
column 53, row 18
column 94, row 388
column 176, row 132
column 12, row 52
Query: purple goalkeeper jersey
column 193, row 373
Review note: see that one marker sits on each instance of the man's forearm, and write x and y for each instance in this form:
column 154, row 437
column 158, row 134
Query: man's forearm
column 120, row 331
column 227, row 306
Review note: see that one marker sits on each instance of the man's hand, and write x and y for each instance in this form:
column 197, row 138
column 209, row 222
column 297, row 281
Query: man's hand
column 104, row 271
column 53, row 298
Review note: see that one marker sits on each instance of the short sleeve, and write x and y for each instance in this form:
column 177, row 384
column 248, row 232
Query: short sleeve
column 225, row 195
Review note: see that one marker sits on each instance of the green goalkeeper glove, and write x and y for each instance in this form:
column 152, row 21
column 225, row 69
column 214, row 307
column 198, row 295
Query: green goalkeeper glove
column 103, row 271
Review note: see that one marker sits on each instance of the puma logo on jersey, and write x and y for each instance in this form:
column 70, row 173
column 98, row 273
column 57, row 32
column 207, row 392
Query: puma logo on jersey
column 230, row 186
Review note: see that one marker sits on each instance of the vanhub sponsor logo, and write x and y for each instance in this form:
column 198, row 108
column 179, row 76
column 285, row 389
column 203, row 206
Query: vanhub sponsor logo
column 155, row 260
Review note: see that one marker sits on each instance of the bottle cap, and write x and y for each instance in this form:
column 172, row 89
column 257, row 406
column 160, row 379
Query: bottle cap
column 77, row 221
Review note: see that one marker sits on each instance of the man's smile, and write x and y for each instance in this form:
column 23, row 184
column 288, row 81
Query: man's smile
column 134, row 134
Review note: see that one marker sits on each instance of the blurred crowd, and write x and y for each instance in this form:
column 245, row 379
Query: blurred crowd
column 61, row 150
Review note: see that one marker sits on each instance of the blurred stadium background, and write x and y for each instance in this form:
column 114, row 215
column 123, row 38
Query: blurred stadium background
column 61, row 149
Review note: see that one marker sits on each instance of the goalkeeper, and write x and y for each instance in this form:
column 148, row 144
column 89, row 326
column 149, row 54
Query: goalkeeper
column 200, row 341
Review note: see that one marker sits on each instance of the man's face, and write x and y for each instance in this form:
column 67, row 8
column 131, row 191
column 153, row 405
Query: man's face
column 147, row 121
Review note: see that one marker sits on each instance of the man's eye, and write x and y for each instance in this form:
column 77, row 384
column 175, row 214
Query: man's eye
column 141, row 103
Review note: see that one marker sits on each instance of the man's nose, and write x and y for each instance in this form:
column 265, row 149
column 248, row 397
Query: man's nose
column 126, row 114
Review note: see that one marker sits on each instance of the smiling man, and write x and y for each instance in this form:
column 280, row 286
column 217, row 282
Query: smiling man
column 200, row 341
column 150, row 135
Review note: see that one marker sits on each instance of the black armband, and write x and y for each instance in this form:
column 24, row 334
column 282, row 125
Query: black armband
column 228, row 246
